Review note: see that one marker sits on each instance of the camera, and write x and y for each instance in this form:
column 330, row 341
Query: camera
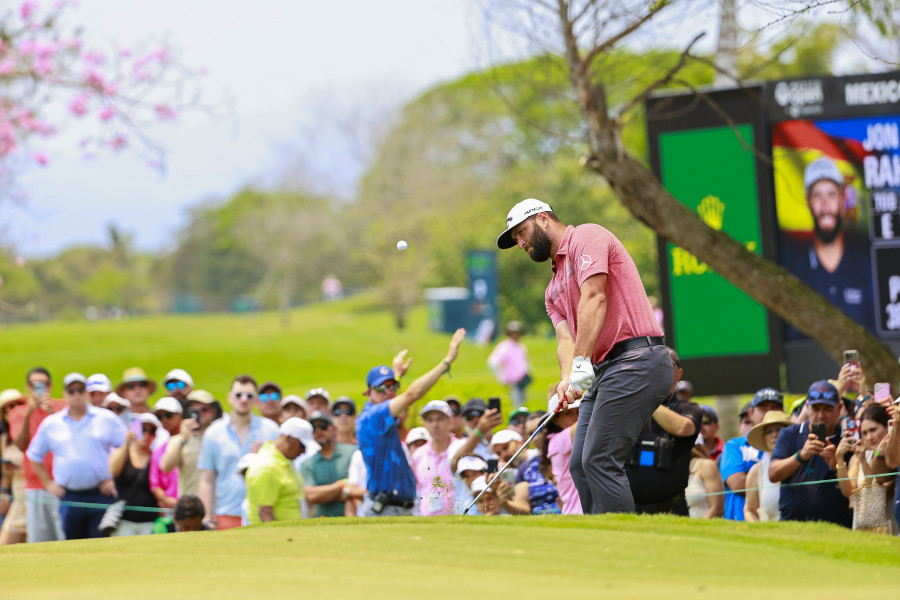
column 110, row 521
column 379, row 502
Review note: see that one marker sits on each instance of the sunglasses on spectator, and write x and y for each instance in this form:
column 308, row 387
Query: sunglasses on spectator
column 34, row 382
column 821, row 395
column 770, row 430
column 516, row 421
column 175, row 385
column 707, row 421
column 247, row 395
column 321, row 425
column 149, row 430
column 270, row 397
column 165, row 414
column 343, row 411
column 76, row 390
column 391, row 387
column 455, row 410
column 136, row 384
column 473, row 414
column 117, row 408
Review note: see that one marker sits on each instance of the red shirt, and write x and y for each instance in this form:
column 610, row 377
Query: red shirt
column 588, row 250
column 16, row 422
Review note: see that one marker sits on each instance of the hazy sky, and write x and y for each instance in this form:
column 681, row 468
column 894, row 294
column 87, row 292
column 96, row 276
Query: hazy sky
column 281, row 62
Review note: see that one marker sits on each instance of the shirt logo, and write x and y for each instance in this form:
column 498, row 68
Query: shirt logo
column 584, row 261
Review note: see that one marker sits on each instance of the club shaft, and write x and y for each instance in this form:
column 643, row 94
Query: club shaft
column 510, row 461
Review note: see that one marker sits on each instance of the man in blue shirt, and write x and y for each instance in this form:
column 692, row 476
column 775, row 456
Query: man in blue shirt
column 391, row 484
column 738, row 456
column 800, row 456
column 224, row 443
column 81, row 438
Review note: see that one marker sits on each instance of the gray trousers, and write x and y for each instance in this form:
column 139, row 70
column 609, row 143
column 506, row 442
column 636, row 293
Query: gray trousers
column 43, row 521
column 625, row 393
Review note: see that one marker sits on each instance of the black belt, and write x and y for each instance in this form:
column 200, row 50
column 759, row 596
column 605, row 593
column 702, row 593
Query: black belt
column 400, row 503
column 633, row 343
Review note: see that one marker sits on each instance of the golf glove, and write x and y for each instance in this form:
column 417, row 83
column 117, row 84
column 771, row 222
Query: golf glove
column 582, row 374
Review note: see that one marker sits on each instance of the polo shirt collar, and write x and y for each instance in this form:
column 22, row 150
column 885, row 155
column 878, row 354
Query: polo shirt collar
column 563, row 245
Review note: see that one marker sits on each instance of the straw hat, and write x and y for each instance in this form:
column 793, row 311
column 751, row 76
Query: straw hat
column 11, row 395
column 134, row 374
column 755, row 436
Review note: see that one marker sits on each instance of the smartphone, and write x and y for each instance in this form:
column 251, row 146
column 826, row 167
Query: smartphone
column 493, row 465
column 40, row 388
column 853, row 428
column 851, row 357
column 195, row 415
column 494, row 403
column 508, row 476
column 882, row 393
column 137, row 426
column 818, row 430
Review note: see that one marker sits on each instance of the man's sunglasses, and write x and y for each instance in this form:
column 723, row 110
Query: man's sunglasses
column 473, row 414
column 455, row 410
column 707, row 421
column 391, row 387
column 175, row 385
column 117, row 408
column 247, row 395
column 163, row 414
column 343, row 411
column 136, row 384
column 321, row 425
column 516, row 421
column 76, row 390
column 270, row 397
column 149, row 430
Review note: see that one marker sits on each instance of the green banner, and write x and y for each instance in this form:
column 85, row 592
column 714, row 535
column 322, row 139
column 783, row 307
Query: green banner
column 714, row 174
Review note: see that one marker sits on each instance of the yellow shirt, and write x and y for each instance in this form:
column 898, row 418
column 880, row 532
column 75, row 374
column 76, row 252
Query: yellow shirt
column 272, row 481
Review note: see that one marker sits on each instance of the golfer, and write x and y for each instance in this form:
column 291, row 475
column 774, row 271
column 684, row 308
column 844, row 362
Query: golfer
column 610, row 348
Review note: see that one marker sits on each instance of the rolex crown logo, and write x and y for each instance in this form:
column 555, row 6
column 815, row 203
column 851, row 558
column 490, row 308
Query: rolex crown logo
column 712, row 210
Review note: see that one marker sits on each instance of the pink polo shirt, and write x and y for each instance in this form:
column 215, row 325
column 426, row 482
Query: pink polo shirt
column 167, row 481
column 559, row 449
column 588, row 250
column 435, row 488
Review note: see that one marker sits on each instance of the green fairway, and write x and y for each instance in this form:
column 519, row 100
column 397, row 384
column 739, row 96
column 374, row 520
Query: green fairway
column 330, row 345
column 455, row 557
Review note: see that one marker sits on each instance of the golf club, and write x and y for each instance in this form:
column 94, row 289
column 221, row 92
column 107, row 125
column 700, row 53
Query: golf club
column 540, row 426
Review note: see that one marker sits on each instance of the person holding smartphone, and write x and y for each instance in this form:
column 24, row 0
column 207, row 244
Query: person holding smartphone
column 807, row 452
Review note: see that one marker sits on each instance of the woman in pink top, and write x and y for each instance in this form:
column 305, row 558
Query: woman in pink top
column 557, row 449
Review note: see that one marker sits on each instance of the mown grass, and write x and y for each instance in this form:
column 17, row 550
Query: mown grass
column 620, row 556
column 329, row 345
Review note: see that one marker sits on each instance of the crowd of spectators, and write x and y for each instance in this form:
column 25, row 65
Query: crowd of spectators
column 110, row 460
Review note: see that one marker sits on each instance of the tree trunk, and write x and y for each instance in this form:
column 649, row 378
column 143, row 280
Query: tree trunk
column 764, row 281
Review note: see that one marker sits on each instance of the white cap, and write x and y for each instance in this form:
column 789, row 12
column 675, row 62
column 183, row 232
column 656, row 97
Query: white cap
column 169, row 405
column 98, row 382
column 819, row 169
column 151, row 419
column 417, row 433
column 180, row 375
column 113, row 397
column 295, row 399
column 439, row 406
column 519, row 213
column 554, row 400
column 299, row 429
column 480, row 484
column 246, row 461
column 73, row 378
column 470, row 463
column 504, row 436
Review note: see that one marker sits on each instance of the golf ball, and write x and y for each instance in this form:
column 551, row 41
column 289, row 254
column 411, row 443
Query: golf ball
column 401, row 245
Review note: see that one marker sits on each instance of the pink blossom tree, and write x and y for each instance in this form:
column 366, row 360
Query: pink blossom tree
column 50, row 75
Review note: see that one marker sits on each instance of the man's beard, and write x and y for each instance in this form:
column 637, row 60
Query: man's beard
column 540, row 245
column 829, row 236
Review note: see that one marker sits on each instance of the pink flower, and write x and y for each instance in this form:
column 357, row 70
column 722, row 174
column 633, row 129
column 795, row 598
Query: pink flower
column 79, row 105
column 44, row 66
column 124, row 52
column 107, row 113
column 41, row 159
column 94, row 79
column 94, row 58
column 28, row 8
column 8, row 140
column 165, row 112
column 118, row 142
column 162, row 54
column 28, row 47
column 7, row 65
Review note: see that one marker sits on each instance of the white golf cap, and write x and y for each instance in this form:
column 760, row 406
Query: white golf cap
column 554, row 400
column 246, row 461
column 299, row 429
column 295, row 399
column 819, row 169
column 480, row 484
column 169, row 405
column 504, row 436
column 470, row 463
column 437, row 406
column 519, row 213
column 98, row 382
column 417, row 434
column 179, row 375
column 151, row 419
column 73, row 378
column 114, row 398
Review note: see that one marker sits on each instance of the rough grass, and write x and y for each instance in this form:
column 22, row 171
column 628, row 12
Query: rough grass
column 455, row 557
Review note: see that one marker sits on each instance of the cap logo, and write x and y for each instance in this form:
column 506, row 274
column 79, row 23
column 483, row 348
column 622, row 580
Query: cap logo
column 384, row 371
column 584, row 261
